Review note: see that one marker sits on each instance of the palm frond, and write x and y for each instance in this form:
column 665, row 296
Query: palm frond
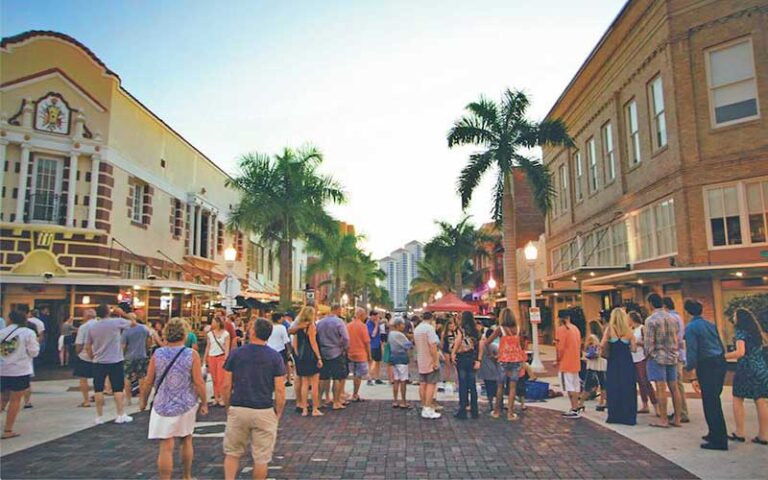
column 471, row 174
column 540, row 179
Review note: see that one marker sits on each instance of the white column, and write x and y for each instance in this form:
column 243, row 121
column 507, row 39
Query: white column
column 95, row 165
column 73, row 158
column 191, row 228
column 3, row 144
column 198, row 229
column 22, row 197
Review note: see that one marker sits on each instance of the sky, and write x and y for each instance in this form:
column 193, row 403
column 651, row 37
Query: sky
column 375, row 85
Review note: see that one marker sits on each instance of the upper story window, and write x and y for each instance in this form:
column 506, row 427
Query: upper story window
column 254, row 257
column 609, row 154
column 579, row 169
column 45, row 203
column 732, row 83
column 656, row 95
column 619, row 243
column 566, row 257
column 563, row 186
column 737, row 214
column 654, row 232
column 594, row 183
column 633, row 133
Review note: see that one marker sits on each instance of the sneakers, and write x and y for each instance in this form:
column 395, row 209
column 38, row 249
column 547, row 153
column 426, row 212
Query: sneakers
column 430, row 414
column 379, row 382
column 369, row 383
column 572, row 414
column 98, row 420
column 123, row 419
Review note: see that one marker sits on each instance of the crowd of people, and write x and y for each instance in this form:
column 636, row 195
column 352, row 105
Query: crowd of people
column 252, row 361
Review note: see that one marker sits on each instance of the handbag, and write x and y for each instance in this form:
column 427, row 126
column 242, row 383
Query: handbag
column 162, row 377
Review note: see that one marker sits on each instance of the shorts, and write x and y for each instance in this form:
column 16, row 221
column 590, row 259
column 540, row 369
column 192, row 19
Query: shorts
column 136, row 369
column 359, row 369
column 660, row 373
column 83, row 369
column 255, row 425
column 334, row 369
column 112, row 370
column 14, row 384
column 571, row 381
column 510, row 369
column 400, row 373
column 594, row 378
column 431, row 378
column 376, row 354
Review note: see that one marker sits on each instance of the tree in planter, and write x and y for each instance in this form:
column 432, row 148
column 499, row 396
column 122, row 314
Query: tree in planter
column 283, row 198
column 505, row 133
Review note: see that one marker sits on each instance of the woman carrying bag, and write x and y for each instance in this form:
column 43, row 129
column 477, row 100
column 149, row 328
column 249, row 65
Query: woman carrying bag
column 175, row 372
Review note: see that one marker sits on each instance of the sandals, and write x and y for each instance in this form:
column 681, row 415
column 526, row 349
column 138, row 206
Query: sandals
column 84, row 405
column 11, row 434
column 736, row 438
column 512, row 417
column 759, row 441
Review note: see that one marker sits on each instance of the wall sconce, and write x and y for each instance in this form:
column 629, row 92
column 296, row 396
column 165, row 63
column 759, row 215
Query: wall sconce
column 86, row 299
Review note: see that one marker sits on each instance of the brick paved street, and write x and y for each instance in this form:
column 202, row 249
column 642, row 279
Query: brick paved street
column 369, row 440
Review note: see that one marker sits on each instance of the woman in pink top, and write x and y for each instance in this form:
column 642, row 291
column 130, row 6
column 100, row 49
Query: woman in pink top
column 511, row 357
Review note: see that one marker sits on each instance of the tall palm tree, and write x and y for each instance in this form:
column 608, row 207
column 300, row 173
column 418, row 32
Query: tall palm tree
column 504, row 133
column 283, row 198
column 456, row 244
column 337, row 255
column 363, row 276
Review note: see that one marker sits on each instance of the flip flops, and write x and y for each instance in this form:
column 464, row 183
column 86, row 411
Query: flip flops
column 10, row 434
column 736, row 438
column 759, row 441
column 658, row 425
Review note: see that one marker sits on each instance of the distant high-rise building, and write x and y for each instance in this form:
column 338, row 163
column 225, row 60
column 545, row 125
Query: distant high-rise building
column 401, row 267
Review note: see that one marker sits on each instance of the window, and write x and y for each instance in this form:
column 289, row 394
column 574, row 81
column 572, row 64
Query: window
column 654, row 231
column 757, row 210
column 633, row 133
column 566, row 257
column 656, row 95
column 579, row 174
column 178, row 219
column 270, row 266
column 563, row 196
column 220, row 238
column 126, row 270
column 46, row 203
column 738, row 213
column 254, row 256
column 732, row 83
column 137, row 203
column 603, row 247
column 619, row 243
column 724, row 218
column 609, row 155
column 592, row 161
column 139, row 271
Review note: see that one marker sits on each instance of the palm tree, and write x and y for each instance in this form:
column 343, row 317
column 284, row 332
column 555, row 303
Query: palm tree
column 283, row 198
column 456, row 244
column 505, row 133
column 363, row 275
column 338, row 254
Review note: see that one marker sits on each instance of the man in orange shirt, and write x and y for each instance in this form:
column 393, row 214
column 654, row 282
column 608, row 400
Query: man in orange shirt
column 568, row 338
column 359, row 352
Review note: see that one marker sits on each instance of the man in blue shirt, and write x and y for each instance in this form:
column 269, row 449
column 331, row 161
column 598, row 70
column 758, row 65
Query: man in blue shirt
column 374, row 332
column 706, row 363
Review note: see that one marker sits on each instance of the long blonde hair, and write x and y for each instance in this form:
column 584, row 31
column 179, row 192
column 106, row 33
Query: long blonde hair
column 619, row 323
column 306, row 316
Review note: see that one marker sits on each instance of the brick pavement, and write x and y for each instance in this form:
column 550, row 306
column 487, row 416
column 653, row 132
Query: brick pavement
column 369, row 440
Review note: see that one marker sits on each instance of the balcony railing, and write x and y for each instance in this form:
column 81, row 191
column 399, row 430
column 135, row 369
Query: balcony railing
column 44, row 207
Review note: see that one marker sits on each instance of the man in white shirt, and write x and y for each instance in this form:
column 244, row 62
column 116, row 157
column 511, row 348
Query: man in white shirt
column 428, row 361
column 39, row 328
column 279, row 339
column 19, row 348
column 84, row 363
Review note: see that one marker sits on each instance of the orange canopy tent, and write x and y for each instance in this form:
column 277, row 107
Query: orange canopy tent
column 451, row 303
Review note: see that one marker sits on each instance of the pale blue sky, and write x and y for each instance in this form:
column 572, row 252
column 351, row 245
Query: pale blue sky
column 375, row 85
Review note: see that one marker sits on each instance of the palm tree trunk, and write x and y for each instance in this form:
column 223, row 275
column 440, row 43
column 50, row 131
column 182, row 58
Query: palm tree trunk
column 509, row 242
column 457, row 282
column 286, row 273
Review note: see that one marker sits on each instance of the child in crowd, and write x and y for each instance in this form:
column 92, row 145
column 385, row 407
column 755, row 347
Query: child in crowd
column 596, row 368
column 526, row 373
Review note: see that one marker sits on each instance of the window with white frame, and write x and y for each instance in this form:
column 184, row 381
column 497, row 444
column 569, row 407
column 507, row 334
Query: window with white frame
column 654, row 232
column 656, row 95
column 46, row 203
column 126, row 270
column 565, row 257
column 563, row 195
column 139, row 271
column 619, row 243
column 609, row 155
column 732, row 83
column 579, row 169
column 588, row 250
column 594, row 183
column 603, row 247
column 633, row 133
column 137, row 203
column 738, row 213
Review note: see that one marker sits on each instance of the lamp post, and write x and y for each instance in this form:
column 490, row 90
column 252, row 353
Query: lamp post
column 230, row 255
column 491, row 287
column 531, row 253
column 438, row 295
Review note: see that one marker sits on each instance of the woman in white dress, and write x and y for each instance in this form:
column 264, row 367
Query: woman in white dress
column 175, row 372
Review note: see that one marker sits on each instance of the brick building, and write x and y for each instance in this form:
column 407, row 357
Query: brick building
column 666, row 189
column 102, row 200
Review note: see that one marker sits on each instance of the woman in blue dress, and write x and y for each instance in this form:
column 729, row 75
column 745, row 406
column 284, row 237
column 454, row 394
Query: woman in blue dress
column 751, row 379
column 619, row 342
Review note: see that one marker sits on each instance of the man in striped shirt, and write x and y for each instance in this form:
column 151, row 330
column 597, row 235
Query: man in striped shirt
column 662, row 345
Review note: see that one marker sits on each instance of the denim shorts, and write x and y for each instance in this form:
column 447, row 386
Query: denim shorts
column 510, row 369
column 359, row 369
column 660, row 373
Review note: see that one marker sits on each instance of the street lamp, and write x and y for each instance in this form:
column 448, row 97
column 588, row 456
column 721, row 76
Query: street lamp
column 438, row 295
column 230, row 255
column 531, row 254
column 491, row 284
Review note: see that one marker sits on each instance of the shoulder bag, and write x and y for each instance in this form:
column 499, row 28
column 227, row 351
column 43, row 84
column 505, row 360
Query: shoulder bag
column 165, row 373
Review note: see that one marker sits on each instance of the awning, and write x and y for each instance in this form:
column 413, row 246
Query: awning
column 638, row 277
column 584, row 273
column 101, row 281
column 451, row 303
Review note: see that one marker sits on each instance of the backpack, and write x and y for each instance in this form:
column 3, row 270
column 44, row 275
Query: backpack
column 509, row 348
